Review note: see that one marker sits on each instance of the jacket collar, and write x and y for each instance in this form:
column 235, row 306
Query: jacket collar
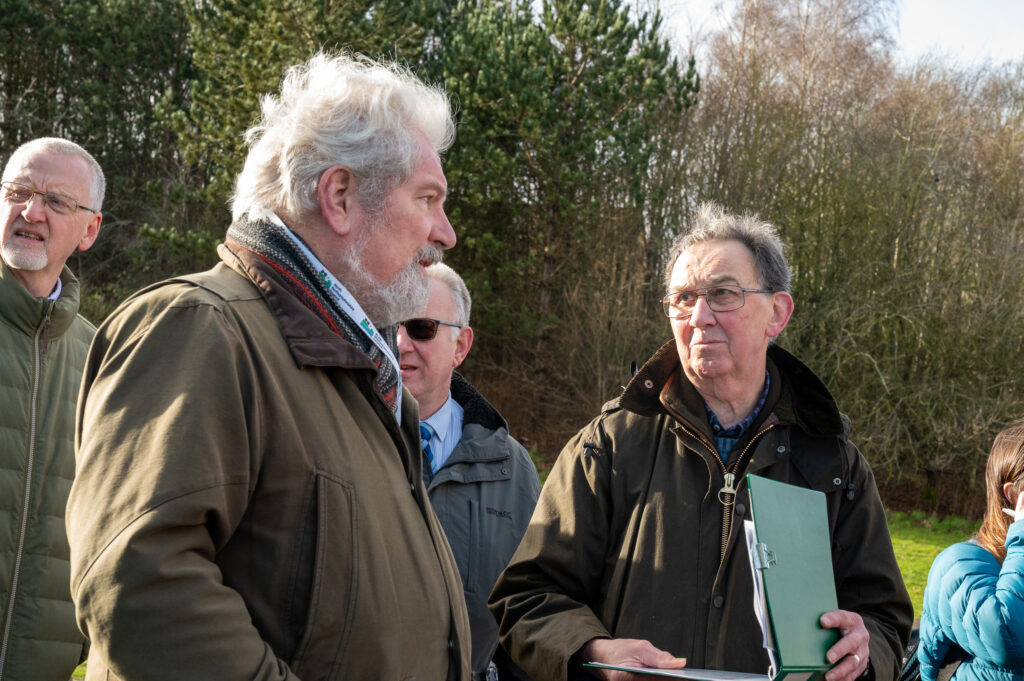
column 476, row 408
column 483, row 452
column 797, row 396
column 21, row 310
column 310, row 340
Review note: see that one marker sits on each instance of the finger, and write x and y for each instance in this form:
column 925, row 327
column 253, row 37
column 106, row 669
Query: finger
column 655, row 657
column 840, row 619
column 853, row 646
column 848, row 669
column 665, row 661
column 849, row 648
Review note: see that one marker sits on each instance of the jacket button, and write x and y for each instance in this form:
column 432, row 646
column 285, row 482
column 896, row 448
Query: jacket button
column 504, row 470
column 648, row 384
column 836, row 482
column 781, row 449
column 451, row 644
column 740, row 509
column 718, row 601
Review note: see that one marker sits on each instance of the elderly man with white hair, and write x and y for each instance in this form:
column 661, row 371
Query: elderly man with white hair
column 249, row 501
column 50, row 198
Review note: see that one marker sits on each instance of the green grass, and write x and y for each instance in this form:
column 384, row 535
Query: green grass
column 917, row 538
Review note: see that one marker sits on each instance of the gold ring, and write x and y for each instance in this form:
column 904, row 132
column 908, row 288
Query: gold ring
column 856, row 657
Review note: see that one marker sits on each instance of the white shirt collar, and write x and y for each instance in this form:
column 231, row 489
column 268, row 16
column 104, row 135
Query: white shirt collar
column 441, row 420
column 56, row 290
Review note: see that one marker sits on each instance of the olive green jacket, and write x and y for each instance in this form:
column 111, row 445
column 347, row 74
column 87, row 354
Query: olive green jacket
column 246, row 505
column 635, row 537
column 43, row 344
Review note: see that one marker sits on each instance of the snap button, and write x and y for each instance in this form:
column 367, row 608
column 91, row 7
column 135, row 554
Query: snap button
column 648, row 384
column 740, row 509
column 718, row 601
column 781, row 449
column 504, row 470
column 836, row 482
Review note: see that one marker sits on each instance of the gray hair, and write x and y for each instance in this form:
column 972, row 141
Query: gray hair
column 339, row 110
column 460, row 294
column 712, row 223
column 58, row 145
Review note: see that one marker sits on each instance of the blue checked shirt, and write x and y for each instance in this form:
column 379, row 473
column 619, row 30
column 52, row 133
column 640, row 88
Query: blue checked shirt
column 726, row 438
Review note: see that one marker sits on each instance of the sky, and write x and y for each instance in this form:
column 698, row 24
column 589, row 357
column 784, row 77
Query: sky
column 967, row 31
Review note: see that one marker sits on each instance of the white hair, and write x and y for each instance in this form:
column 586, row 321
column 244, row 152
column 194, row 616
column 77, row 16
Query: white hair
column 712, row 223
column 460, row 294
column 339, row 110
column 58, row 145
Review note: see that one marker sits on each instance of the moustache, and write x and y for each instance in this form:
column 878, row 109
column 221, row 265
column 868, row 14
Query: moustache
column 430, row 254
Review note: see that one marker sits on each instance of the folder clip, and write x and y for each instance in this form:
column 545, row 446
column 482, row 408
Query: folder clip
column 764, row 557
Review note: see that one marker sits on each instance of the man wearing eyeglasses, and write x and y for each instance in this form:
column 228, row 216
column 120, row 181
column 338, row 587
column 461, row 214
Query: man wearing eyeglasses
column 249, row 500
column 636, row 553
column 482, row 483
column 50, row 198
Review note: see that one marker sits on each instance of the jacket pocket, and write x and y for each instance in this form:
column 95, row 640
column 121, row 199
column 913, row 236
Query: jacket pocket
column 332, row 589
column 463, row 534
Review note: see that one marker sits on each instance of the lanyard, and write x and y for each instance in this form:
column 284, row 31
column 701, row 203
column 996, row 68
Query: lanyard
column 350, row 306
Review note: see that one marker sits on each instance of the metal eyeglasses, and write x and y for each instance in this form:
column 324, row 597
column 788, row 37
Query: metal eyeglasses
column 16, row 193
column 720, row 298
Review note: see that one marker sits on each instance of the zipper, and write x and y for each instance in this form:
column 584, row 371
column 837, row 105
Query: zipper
column 38, row 351
column 727, row 494
column 729, row 478
column 730, row 487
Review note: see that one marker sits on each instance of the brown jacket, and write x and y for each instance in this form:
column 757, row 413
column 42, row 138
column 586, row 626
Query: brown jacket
column 630, row 538
column 245, row 505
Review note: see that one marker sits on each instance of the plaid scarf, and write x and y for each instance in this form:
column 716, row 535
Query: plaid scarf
column 270, row 243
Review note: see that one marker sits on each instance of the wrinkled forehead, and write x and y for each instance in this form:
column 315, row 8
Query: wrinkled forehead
column 50, row 171
column 715, row 262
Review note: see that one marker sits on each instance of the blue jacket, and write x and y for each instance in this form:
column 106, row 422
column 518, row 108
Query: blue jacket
column 972, row 600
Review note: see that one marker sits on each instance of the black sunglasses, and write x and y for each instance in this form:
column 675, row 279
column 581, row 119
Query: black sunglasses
column 423, row 328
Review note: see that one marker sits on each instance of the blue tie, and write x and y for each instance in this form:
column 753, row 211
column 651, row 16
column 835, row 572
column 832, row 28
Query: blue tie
column 426, row 432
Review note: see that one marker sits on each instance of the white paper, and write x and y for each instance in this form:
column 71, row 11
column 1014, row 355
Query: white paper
column 760, row 604
column 684, row 673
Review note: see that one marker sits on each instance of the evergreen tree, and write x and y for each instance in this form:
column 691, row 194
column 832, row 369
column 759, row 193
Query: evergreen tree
column 91, row 71
column 562, row 120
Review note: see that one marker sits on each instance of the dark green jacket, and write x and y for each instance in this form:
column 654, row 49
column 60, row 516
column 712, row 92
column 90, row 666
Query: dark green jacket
column 483, row 495
column 246, row 505
column 43, row 345
column 631, row 538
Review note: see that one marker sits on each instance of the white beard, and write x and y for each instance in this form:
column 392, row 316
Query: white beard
column 387, row 303
column 19, row 257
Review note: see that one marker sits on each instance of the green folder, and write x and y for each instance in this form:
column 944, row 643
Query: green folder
column 792, row 553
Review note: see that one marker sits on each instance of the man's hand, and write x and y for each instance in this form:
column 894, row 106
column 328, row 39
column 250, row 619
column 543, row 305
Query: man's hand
column 627, row 652
column 851, row 650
